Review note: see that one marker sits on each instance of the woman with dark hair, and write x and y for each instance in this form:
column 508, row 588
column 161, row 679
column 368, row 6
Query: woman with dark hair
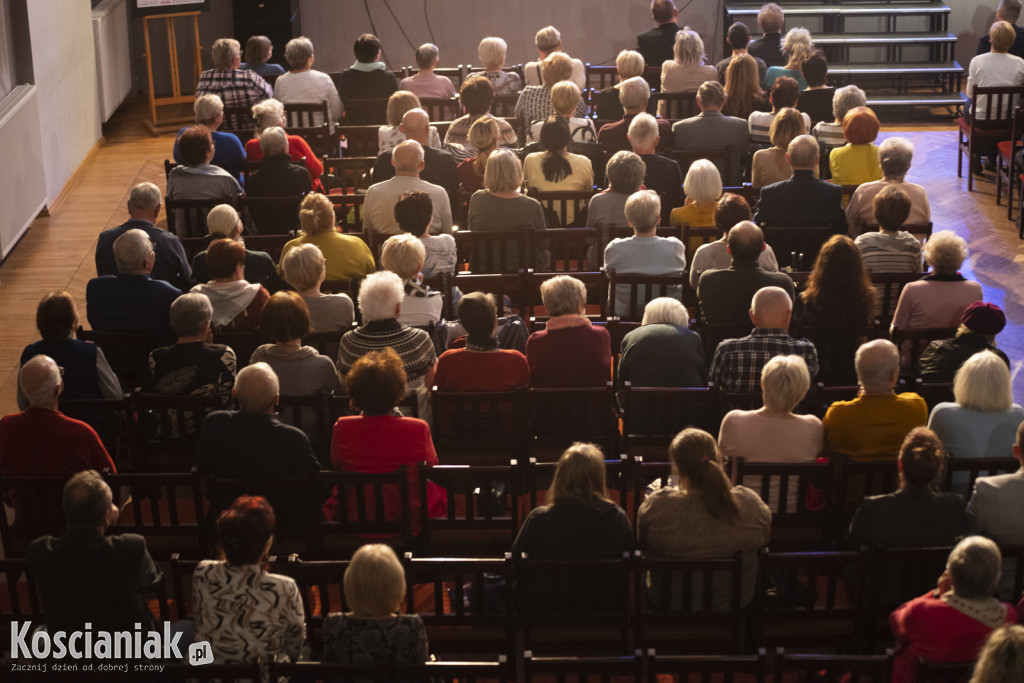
column 198, row 178
column 916, row 515
column 258, row 50
column 699, row 515
column 246, row 613
column 481, row 365
column 557, row 169
column 414, row 211
column 743, row 93
column 838, row 303
column 301, row 370
column 237, row 304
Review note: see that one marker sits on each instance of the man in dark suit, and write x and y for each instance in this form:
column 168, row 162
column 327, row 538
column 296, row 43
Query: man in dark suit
column 658, row 44
column 769, row 46
column 662, row 174
column 725, row 295
column 633, row 95
column 367, row 79
column 439, row 165
column 710, row 129
column 1009, row 11
column 802, row 200
column 144, row 208
column 85, row 576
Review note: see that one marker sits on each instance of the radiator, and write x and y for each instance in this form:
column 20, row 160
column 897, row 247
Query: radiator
column 113, row 58
column 23, row 179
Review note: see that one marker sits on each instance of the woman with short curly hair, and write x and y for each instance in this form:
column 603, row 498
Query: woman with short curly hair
column 347, row 257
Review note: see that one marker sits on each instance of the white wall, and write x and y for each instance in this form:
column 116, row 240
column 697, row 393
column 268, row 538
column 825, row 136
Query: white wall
column 64, row 70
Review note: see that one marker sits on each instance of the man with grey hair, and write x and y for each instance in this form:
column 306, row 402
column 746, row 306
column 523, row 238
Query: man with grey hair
column 171, row 263
column 303, row 83
column 277, row 175
column 1008, row 11
column 662, row 174
column 872, row 426
column 634, row 95
column 801, row 199
column 379, row 207
column 131, row 301
column 439, row 167
column 710, row 129
column 425, row 83
column 769, row 46
column 235, row 87
column 228, row 152
column 41, row 441
column 549, row 40
column 830, row 133
column 894, row 155
column 737, row 363
column 86, row 577
column 644, row 253
column 656, row 45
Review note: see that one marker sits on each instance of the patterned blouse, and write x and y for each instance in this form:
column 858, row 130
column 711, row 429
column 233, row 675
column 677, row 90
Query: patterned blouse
column 247, row 614
column 236, row 88
column 504, row 82
column 398, row 640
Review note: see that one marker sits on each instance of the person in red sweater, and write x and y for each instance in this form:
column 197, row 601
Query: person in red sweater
column 481, row 365
column 41, row 441
column 951, row 623
column 380, row 439
column 569, row 352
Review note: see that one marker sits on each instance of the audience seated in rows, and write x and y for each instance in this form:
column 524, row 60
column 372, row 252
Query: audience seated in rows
column 237, row 303
column 407, row 160
column 425, row 83
column 270, row 113
column 657, row 44
column 492, row 51
column 802, row 200
column 403, row 255
column 569, row 351
column 771, row 165
column 391, row 134
column 725, row 295
column 686, row 71
column 41, row 441
column 228, row 151
column 476, row 96
column 698, row 515
column 889, row 249
column 663, row 351
column 534, row 103
column 198, row 178
column 816, row 99
column 482, row 139
column 86, row 374
column 939, row 298
column 872, row 426
column 556, row 169
column 304, row 269
column 367, row 79
column 223, row 222
column 413, row 212
column 438, row 164
column 743, row 94
column 565, row 99
column 830, row 133
column 769, row 46
column 131, row 301
column 346, row 257
column 797, row 48
column 979, row 325
column 997, row 67
column 277, row 175
column 738, row 38
column 856, row 162
column 1008, row 11
column 711, row 130
column 730, row 209
column 634, row 95
column 549, row 42
column 258, row 50
column 737, row 364
column 304, row 84
column 480, row 365
column 784, row 93
column 703, row 189
column 894, row 157
column 234, row 86
column 629, row 64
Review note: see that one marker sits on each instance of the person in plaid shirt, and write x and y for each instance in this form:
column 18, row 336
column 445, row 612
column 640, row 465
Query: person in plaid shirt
column 235, row 87
column 737, row 363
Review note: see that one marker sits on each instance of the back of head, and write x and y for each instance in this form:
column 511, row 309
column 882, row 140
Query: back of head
column 207, row 108
column 784, row 93
column 223, row 257
column 144, row 197
column 224, row 51
column 366, row 48
column 877, row 363
column 787, row 125
column 56, row 316
column 629, row 64
column 579, row 476
column 945, row 251
column 403, row 255
column 285, row 317
column 478, row 313
column 921, row 458
column 625, row 172
column 374, row 582
column 1002, row 658
column 132, row 250
column 554, row 138
column 547, row 39
column 563, row 295
column 785, row 381
column 689, row 48
column 771, row 19
column 665, row 309
column 316, row 214
column 413, row 211
column 982, row 383
column 1009, row 10
column 643, row 211
column 746, row 241
column 663, row 11
column 427, row 55
column 643, row 132
column 860, row 126
column 245, row 529
column 492, row 52
column 742, row 82
column 815, row 69
column 839, row 291
column 380, row 294
column 377, row 382
column 803, row 152
column 555, row 68
column 504, row 171
column 484, row 135
column 694, row 455
column 771, row 308
column 191, row 314
column 730, row 210
column 711, row 95
column 223, row 220
column 891, row 208
column 846, row 98
column 476, row 95
column 304, row 266
column 797, row 44
column 1002, row 34
column 565, row 95
column 974, row 567
column 634, row 93
column 274, row 141
column 298, row 51
column 738, row 36
column 416, row 124
column 703, row 182
column 257, row 50
column 256, row 388
column 269, row 112
column 407, row 157
column 894, row 156
column 40, row 381
column 194, row 145
column 400, row 102
column 87, row 500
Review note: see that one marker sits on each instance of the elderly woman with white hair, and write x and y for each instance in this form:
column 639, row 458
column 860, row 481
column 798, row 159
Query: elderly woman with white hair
column 939, row 298
column 228, row 152
column 797, row 48
column 951, row 622
column 234, row 86
column 534, row 103
column 270, row 113
column 774, row 433
column 348, row 257
column 492, row 52
column 303, row 83
column 223, row 222
column 569, row 351
column 304, row 268
column 629, row 64
column 403, row 255
column 277, row 176
column 380, row 302
column 843, row 100
column 894, row 155
column 663, row 351
column 703, row 187
column 565, row 100
column 549, row 41
column 687, row 71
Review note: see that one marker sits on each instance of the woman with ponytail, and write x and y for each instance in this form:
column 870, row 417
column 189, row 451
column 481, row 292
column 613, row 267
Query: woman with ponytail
column 556, row 169
column 798, row 49
column 700, row 515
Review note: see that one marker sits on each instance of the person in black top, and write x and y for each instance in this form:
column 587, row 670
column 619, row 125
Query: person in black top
column 979, row 325
column 278, row 176
column 769, row 46
column 367, row 79
column 1009, row 11
column 816, row 99
column 658, row 44
column 223, row 222
column 663, row 175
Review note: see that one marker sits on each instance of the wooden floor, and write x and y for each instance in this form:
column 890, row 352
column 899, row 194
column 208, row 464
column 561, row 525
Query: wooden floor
column 57, row 252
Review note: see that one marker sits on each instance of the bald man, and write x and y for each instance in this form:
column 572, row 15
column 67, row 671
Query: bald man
column 379, row 209
column 872, row 426
column 439, row 166
column 725, row 295
column 801, row 199
column 41, row 441
column 737, row 363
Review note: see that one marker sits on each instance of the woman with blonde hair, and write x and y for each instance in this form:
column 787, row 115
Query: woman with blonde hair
column 304, row 268
column 534, row 103
column 270, row 113
column 483, row 137
column 770, row 165
column 797, row 47
column 1002, row 658
column 347, row 257
column 565, row 98
column 492, row 52
column 374, row 632
column 703, row 187
column 390, row 135
column 687, row 71
column 628, row 64
column 743, row 93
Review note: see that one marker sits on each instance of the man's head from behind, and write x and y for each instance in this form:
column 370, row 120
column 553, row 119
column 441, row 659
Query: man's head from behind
column 878, row 366
column 408, row 158
column 416, row 125
column 771, row 19
column 738, row 36
column 664, row 11
column 771, row 308
column 710, row 96
column 133, row 252
column 746, row 242
column 367, row 48
column 88, row 503
column 40, row 379
column 633, row 94
column 802, row 153
column 256, row 389
column 144, row 202
column 1008, row 10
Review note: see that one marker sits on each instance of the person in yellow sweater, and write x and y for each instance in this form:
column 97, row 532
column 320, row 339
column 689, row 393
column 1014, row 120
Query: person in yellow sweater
column 856, row 162
column 347, row 257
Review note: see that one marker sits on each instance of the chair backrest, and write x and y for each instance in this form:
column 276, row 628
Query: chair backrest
column 705, row 233
column 168, row 167
column 242, row 343
column 308, row 412
column 441, row 108
column 366, row 112
column 273, row 215
column 112, row 418
column 582, row 669
column 238, row 118
column 501, row 286
column 319, row 138
column 596, row 283
column 320, row 588
column 640, row 290
column 654, row 415
column 943, row 672
column 348, row 211
column 187, row 217
column 499, row 251
column 841, row 668
column 721, row 158
column 504, row 106
column 479, row 427
column 890, row 286
column 164, row 508
column 358, row 140
column 974, row 468
column 126, row 352
column 481, row 508
column 306, row 114
column 348, row 174
column 536, row 478
column 999, row 102
column 727, row 669
column 896, row 575
column 568, row 205
column 271, row 244
column 569, row 247
column 167, row 432
column 796, row 246
column 443, row 672
column 562, row 416
column 914, row 341
column 678, row 105
column 38, row 511
column 797, row 494
column 365, row 504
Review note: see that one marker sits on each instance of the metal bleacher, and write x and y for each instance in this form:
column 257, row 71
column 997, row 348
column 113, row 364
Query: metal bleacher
column 899, row 52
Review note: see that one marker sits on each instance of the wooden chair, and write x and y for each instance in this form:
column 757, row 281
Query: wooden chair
column 652, row 416
column 934, row 393
column 943, row 672
column 504, row 106
column 822, row 668
column 481, row 518
column 167, row 430
column 569, row 246
column 164, row 508
column 366, row 112
column 441, row 109
column 857, row 480
column 242, row 343
column 187, row 217
column 890, row 286
column 168, row 167
column 678, row 105
column 375, row 504
column 112, row 418
column 238, row 119
column 727, row 669
column 705, row 233
column 479, row 427
column 348, row 211
column 271, row 244
column 498, row 251
column 273, row 215
column 721, row 158
column 358, row 141
column 38, row 511
column 348, row 174
column 797, row 246
column 894, row 576
column 319, row 138
column 126, row 352
column 784, row 487
column 501, row 286
column 442, row 672
column 970, row 469
column 639, row 291
column 914, row 341
column 582, row 669
column 562, row 416
column 310, row 414
column 596, row 283
column 536, row 478
column 977, row 132
column 570, row 205
column 320, row 587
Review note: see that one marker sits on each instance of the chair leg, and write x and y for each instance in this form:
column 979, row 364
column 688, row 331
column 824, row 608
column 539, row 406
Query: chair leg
column 970, row 165
column 960, row 154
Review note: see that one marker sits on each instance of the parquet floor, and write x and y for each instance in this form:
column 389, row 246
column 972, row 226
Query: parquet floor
column 57, row 252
